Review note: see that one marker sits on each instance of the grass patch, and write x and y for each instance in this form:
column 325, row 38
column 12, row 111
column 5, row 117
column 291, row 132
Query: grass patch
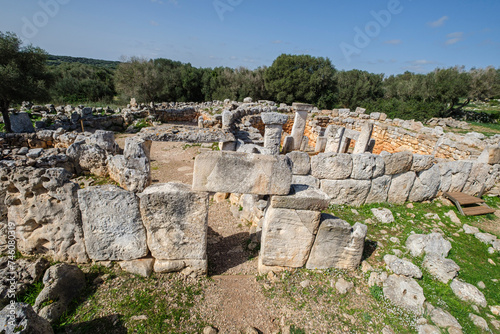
column 29, row 296
column 186, row 146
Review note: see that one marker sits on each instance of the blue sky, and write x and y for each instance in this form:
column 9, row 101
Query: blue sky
column 380, row 36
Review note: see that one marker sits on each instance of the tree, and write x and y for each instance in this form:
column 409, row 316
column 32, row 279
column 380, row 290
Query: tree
column 357, row 88
column 23, row 74
column 140, row 78
column 302, row 78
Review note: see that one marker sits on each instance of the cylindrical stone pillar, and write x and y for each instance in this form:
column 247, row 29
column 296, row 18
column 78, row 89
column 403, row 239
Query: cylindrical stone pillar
column 364, row 139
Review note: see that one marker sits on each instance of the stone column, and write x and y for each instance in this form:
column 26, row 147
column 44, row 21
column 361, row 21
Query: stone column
column 200, row 122
column 334, row 139
column 364, row 139
column 299, row 125
column 344, row 145
column 304, row 144
column 274, row 126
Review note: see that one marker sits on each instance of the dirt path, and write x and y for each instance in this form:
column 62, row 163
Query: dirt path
column 233, row 298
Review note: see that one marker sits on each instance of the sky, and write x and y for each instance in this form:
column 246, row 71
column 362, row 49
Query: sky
column 379, row 36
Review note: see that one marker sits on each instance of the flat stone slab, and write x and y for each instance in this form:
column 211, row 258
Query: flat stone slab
column 242, row 173
column 302, row 197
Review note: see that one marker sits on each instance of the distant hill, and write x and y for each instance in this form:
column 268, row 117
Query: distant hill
column 57, row 60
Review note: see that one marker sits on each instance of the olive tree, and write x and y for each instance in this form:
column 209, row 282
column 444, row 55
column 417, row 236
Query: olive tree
column 23, row 73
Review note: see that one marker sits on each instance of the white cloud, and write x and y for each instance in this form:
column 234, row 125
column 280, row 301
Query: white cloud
column 438, row 23
column 277, row 41
column 454, row 37
column 157, row 1
column 393, row 41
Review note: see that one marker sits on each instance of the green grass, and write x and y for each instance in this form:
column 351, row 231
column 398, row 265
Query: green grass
column 29, row 296
column 166, row 301
column 468, row 252
column 142, row 124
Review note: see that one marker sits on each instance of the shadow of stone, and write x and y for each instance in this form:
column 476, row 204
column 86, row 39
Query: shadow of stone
column 369, row 249
column 226, row 253
column 111, row 324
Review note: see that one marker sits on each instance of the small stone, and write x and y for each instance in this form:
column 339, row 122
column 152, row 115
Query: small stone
column 453, row 217
column 305, row 283
column 428, row 329
column 421, row 321
column 354, row 211
column 388, row 330
column 481, row 285
column 433, row 216
column 495, row 309
column 468, row 292
column 478, row 321
column 343, row 286
column 384, row 216
column 470, row 229
column 491, row 250
column 492, row 262
column 495, row 324
column 250, row 330
column 366, row 267
column 410, row 206
column 209, row 330
column 486, row 238
column 271, row 276
column 139, row 317
column 394, row 240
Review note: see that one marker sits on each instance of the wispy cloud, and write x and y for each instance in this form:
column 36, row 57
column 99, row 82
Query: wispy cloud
column 421, row 62
column 160, row 2
column 438, row 23
column 454, row 38
column 394, row 42
column 154, row 23
column 419, row 65
column 277, row 41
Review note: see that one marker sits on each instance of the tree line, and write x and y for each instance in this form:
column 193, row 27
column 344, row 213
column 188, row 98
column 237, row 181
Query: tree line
column 28, row 73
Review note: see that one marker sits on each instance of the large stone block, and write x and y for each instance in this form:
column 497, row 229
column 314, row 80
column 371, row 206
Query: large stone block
column 490, row 155
column 337, row 245
column 175, row 218
column 350, row 192
column 112, row 224
column 426, row 185
column 307, row 180
column 331, row 166
column 398, row 163
column 454, row 174
column 422, row 162
column 43, row 204
column 379, row 190
column 301, row 162
column 88, row 158
column 287, row 237
column 21, row 123
column 302, row 197
column 234, row 172
column 132, row 179
column 367, row 166
column 479, row 176
column 400, row 188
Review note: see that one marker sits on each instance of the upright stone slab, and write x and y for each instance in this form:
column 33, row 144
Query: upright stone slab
column 379, row 190
column 426, row 185
column 401, row 185
column 242, row 173
column 454, row 175
column 112, row 224
column 175, row 218
column 490, row 155
column 301, row 162
column 287, row 144
column 320, row 144
column 299, row 125
column 287, row 237
column 337, row 245
column 363, row 139
column 334, row 138
column 274, row 126
column 344, row 145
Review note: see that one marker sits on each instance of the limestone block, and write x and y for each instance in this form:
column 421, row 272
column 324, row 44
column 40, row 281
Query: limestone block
column 350, row 192
column 397, row 163
column 301, row 162
column 443, row 269
column 302, row 197
column 490, row 155
column 137, row 148
column 337, row 245
column 479, row 176
column 422, row 162
column 133, row 179
column 287, row 237
column 88, row 157
column 141, row 267
column 454, row 175
column 112, row 224
column 426, row 185
column 419, row 244
column 331, row 166
column 468, row 292
column 299, row 126
column 105, row 140
column 307, row 180
column 379, row 190
column 175, row 218
column 234, row 172
column 400, row 188
column 273, row 118
column 367, row 166
column 405, row 292
column 43, row 205
column 187, row 267
column 20, row 318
